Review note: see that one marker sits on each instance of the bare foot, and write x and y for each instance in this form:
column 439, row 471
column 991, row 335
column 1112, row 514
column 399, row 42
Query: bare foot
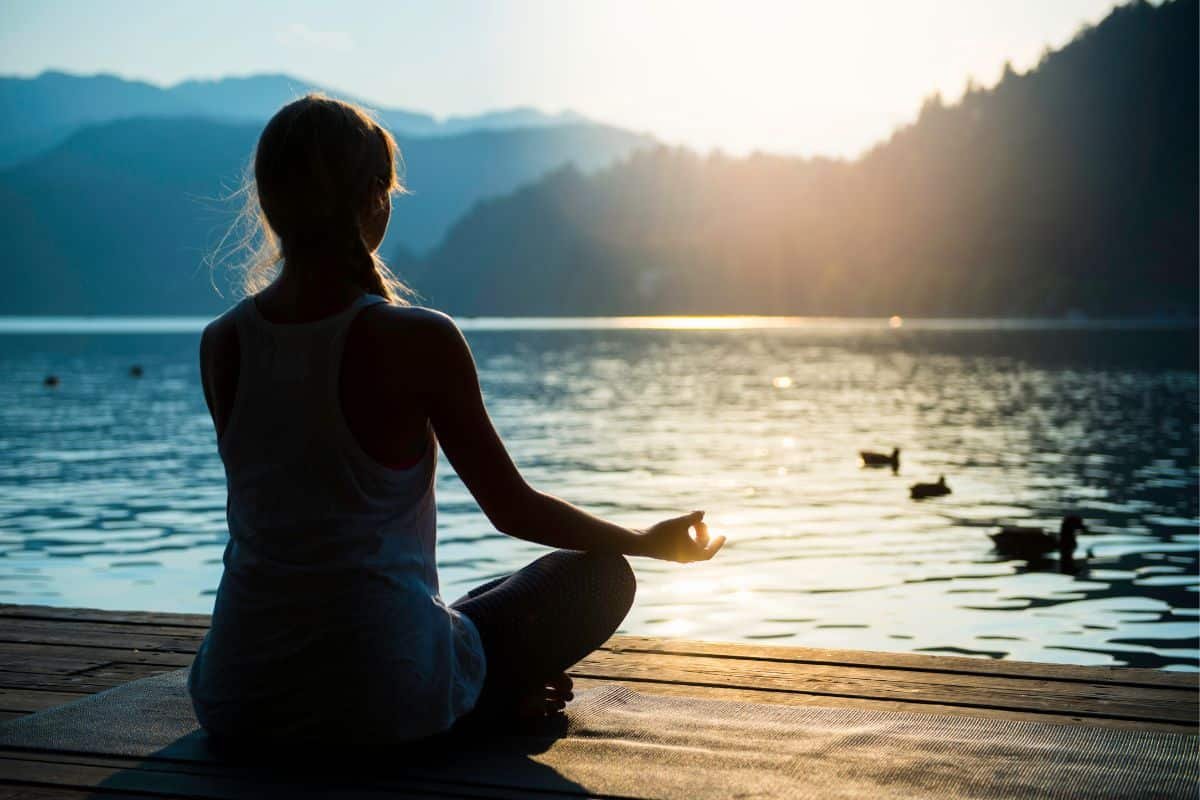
column 546, row 700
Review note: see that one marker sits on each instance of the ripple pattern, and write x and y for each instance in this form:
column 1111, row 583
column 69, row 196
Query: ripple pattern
column 112, row 494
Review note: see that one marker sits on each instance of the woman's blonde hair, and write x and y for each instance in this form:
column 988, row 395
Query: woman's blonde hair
column 319, row 163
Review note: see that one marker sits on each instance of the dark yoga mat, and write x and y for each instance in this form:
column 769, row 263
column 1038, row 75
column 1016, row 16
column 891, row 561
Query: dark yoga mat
column 618, row 742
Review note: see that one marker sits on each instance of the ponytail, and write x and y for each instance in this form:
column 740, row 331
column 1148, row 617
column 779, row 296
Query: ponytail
column 366, row 268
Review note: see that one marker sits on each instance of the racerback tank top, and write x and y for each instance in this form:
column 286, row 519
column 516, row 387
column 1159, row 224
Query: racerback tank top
column 327, row 620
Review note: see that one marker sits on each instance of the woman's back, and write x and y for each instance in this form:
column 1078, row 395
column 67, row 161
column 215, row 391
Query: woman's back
column 331, row 559
column 303, row 494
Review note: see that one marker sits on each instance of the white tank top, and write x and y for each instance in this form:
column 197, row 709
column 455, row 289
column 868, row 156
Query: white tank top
column 328, row 619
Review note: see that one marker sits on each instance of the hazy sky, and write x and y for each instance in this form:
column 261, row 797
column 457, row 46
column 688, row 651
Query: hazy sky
column 829, row 77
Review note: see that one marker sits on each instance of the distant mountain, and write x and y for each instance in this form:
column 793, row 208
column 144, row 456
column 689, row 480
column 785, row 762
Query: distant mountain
column 119, row 218
column 1070, row 188
column 38, row 113
column 503, row 120
column 448, row 174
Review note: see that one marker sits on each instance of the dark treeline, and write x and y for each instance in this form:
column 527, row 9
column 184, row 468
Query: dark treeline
column 1071, row 187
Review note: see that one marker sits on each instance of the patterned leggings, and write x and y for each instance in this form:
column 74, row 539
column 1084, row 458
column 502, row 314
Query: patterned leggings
column 545, row 617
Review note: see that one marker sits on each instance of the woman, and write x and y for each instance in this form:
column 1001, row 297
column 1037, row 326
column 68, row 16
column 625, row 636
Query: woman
column 327, row 392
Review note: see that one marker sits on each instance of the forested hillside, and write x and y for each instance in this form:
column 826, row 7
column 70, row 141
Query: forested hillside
column 1070, row 188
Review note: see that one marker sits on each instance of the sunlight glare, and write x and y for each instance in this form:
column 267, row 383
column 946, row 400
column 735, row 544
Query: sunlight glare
column 701, row 323
column 675, row 627
column 692, row 586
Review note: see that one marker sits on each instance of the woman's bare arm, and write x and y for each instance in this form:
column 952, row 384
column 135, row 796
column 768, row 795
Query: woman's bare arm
column 470, row 440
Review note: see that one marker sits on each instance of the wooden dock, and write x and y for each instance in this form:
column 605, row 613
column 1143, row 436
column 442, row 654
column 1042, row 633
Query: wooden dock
column 50, row 656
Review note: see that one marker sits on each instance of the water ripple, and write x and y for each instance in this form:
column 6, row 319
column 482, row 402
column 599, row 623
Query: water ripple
column 111, row 493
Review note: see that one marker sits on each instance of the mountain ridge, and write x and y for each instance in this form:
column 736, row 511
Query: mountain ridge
column 1071, row 188
column 39, row 112
column 122, row 216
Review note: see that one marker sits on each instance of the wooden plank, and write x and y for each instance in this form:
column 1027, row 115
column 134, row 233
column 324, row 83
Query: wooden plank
column 73, row 684
column 158, row 639
column 207, row 780
column 61, row 793
column 912, row 686
column 1117, row 702
column 30, row 700
column 47, row 660
column 183, row 632
column 36, row 657
column 78, row 651
column 38, row 770
column 68, row 683
column 158, row 622
column 101, row 615
column 905, row 661
column 86, row 682
column 1019, row 693
column 92, row 634
column 819, row 701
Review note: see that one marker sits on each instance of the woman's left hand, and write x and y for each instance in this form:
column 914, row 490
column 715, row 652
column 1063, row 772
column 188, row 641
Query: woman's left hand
column 672, row 540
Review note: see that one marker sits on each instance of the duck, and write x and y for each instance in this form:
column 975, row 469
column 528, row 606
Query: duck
column 919, row 491
column 873, row 459
column 1032, row 543
column 135, row 371
column 51, row 381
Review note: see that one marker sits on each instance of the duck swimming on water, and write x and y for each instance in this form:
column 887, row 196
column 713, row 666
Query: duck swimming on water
column 873, row 459
column 920, row 491
column 1032, row 543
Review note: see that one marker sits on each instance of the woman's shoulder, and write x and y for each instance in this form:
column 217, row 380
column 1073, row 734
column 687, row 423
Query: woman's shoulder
column 223, row 328
column 409, row 320
column 429, row 340
column 220, row 336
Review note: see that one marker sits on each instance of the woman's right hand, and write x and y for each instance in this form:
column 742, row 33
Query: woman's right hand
column 672, row 540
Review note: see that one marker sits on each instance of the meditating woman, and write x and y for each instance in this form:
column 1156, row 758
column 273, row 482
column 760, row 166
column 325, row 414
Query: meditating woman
column 329, row 395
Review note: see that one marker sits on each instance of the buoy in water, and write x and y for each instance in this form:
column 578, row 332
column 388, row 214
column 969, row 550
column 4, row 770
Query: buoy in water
column 51, row 380
column 135, row 371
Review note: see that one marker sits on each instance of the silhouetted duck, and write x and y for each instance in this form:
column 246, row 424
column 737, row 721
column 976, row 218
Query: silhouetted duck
column 1031, row 543
column 135, row 371
column 920, row 491
column 873, row 459
column 51, row 380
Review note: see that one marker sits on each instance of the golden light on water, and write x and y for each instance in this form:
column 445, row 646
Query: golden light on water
column 692, row 586
column 782, row 382
column 703, row 323
column 676, row 627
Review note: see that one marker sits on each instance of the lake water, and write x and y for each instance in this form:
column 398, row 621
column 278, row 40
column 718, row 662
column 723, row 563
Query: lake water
column 112, row 495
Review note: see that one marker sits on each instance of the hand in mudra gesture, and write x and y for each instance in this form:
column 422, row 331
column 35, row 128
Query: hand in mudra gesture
column 672, row 540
